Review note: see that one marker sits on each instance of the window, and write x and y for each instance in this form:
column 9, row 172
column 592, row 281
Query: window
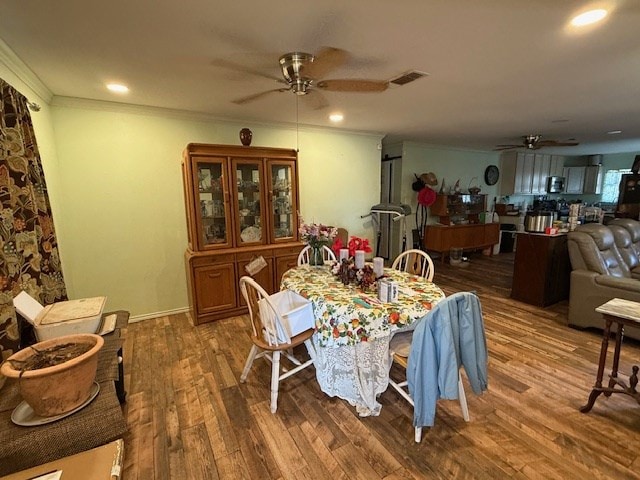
column 611, row 184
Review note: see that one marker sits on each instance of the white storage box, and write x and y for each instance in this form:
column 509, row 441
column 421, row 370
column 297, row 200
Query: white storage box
column 295, row 311
column 70, row 317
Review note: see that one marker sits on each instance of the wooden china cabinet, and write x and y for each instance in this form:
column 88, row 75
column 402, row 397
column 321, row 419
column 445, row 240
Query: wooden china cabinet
column 241, row 204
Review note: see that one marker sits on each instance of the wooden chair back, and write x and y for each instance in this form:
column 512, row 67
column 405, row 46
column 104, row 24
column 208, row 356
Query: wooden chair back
column 303, row 256
column 416, row 262
column 343, row 235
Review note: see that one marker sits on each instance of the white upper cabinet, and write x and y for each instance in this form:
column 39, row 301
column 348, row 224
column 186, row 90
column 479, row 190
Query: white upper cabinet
column 574, row 179
column 526, row 173
column 556, row 166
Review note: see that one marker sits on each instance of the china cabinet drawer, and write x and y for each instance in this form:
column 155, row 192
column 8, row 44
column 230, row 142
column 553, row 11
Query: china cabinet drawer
column 288, row 251
column 212, row 259
column 247, row 256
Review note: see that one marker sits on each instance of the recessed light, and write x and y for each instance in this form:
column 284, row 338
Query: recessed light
column 117, row 88
column 587, row 18
column 336, row 117
column 614, row 132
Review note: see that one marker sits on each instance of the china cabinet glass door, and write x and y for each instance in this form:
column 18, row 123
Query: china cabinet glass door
column 248, row 184
column 283, row 204
column 212, row 211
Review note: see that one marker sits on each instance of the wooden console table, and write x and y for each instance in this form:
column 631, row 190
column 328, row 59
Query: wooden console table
column 623, row 312
column 98, row 423
column 473, row 236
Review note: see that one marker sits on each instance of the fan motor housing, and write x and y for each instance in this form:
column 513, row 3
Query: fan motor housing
column 292, row 65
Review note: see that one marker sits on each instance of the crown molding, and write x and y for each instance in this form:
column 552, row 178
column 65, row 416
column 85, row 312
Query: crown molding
column 119, row 107
column 23, row 72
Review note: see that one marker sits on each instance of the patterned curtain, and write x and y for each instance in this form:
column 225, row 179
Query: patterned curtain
column 29, row 258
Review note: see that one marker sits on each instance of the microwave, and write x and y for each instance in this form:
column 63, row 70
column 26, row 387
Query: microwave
column 555, row 184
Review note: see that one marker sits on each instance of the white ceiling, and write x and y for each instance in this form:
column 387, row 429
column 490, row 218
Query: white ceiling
column 498, row 69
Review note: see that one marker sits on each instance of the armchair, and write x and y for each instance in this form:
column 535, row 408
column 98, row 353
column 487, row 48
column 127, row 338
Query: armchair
column 599, row 273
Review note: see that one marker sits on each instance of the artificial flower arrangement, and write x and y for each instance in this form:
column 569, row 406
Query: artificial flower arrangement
column 346, row 270
column 317, row 235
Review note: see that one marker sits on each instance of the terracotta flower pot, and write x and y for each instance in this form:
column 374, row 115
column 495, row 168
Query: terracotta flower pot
column 60, row 388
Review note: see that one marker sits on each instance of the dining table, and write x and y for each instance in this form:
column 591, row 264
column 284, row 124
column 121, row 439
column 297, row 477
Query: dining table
column 353, row 329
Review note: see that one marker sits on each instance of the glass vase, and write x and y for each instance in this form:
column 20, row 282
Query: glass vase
column 316, row 257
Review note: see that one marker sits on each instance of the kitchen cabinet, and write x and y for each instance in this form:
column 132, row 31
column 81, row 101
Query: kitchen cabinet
column 556, row 166
column 582, row 179
column 541, row 169
column 574, row 179
column 241, row 204
column 592, row 179
column 541, row 269
column 526, row 173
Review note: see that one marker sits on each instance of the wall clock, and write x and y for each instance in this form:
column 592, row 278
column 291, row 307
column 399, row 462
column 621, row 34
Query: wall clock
column 491, row 175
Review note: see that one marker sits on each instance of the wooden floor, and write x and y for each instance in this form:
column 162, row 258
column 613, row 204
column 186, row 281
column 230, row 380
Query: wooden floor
column 190, row 418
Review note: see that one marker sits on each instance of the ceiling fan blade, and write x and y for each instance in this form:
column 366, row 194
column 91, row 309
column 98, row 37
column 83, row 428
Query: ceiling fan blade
column 326, row 60
column 555, row 143
column 345, row 85
column 507, row 146
column 220, row 62
column 316, row 100
column 255, row 96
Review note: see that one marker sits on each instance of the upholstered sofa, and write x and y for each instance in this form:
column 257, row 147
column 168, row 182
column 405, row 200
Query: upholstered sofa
column 605, row 262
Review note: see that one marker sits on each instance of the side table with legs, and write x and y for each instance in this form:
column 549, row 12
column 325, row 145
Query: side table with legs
column 622, row 312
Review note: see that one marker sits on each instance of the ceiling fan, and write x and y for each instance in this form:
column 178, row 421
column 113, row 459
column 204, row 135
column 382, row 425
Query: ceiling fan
column 534, row 142
column 304, row 74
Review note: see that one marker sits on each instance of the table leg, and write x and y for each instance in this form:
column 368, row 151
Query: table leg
column 616, row 359
column 597, row 389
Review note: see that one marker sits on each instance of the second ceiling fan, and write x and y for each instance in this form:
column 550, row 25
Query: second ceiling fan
column 534, row 142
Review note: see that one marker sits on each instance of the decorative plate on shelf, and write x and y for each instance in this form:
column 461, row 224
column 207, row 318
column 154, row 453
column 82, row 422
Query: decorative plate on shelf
column 251, row 234
column 491, row 175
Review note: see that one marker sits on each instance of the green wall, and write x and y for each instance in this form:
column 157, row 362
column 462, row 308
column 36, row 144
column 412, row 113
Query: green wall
column 449, row 165
column 121, row 200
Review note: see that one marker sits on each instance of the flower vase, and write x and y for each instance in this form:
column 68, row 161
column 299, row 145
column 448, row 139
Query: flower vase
column 316, row 258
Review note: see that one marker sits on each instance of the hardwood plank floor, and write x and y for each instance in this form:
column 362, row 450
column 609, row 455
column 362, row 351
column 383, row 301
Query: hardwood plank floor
column 190, row 418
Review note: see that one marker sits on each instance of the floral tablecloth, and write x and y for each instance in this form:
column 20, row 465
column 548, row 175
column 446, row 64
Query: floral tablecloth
column 353, row 331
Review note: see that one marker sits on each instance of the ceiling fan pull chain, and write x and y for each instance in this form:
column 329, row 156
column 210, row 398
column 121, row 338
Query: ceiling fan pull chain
column 297, row 128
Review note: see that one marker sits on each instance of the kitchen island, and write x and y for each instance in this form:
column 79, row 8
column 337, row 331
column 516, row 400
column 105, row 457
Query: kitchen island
column 541, row 269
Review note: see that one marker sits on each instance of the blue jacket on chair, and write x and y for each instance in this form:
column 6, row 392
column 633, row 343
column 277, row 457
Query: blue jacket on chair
column 450, row 335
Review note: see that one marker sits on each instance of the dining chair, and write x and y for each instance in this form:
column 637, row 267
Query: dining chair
column 327, row 254
column 415, row 261
column 449, row 337
column 270, row 338
column 343, row 236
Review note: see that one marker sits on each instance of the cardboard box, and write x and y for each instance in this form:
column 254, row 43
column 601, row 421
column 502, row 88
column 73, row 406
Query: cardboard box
column 102, row 463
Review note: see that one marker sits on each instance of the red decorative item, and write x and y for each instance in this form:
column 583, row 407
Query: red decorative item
column 426, row 197
column 357, row 243
column 336, row 246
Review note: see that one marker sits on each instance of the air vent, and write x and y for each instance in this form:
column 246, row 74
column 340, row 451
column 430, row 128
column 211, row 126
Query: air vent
column 407, row 77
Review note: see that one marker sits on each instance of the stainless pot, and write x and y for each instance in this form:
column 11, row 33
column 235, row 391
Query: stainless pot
column 537, row 222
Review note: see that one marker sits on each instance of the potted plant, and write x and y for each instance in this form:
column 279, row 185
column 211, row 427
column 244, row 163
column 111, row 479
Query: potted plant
column 56, row 375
